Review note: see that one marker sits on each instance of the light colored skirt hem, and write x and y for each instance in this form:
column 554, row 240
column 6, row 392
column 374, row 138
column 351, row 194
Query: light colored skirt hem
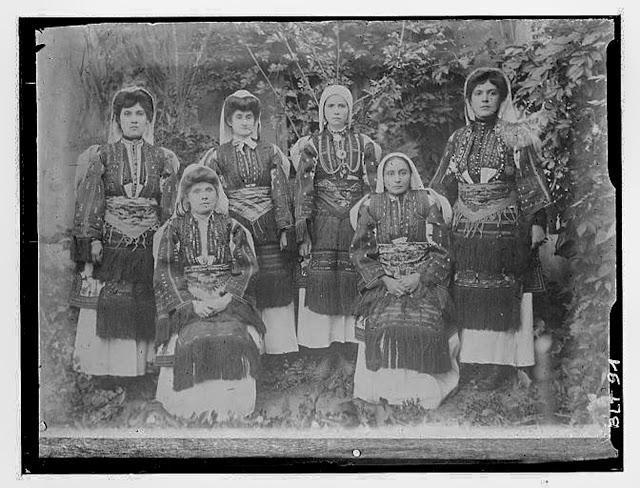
column 97, row 356
column 397, row 386
column 317, row 331
column 505, row 348
column 227, row 398
column 281, row 329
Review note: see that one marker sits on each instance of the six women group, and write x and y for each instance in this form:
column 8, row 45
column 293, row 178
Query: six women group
column 197, row 276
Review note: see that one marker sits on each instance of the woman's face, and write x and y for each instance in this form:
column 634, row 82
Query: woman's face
column 485, row 99
column 242, row 123
column 397, row 176
column 133, row 121
column 202, row 198
column 336, row 112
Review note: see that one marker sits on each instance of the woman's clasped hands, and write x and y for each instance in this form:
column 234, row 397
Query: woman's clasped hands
column 212, row 306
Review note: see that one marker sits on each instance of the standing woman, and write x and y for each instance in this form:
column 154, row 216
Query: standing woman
column 209, row 331
column 407, row 338
column 337, row 168
column 126, row 194
column 255, row 176
column 489, row 170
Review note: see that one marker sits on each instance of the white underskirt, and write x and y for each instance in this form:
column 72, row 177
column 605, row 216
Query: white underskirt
column 399, row 385
column 227, row 398
column 514, row 348
column 316, row 330
column 281, row 329
column 115, row 357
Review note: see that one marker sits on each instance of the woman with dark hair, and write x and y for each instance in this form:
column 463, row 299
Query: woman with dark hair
column 408, row 342
column 489, row 169
column 125, row 192
column 255, row 175
column 209, row 333
column 336, row 168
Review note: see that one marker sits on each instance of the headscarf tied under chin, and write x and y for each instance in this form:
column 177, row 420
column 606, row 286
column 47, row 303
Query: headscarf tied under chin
column 415, row 184
column 226, row 132
column 115, row 131
column 507, row 111
column 344, row 92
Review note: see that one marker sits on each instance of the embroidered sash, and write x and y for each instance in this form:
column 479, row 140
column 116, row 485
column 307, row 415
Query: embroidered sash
column 207, row 281
column 130, row 221
column 483, row 203
column 338, row 196
column 403, row 258
column 250, row 204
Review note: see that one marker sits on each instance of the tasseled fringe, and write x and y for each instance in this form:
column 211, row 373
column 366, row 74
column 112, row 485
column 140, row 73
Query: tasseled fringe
column 470, row 229
column 120, row 316
column 490, row 254
column 126, row 265
column 273, row 290
column 214, row 358
column 141, row 242
column 331, row 293
column 407, row 347
column 496, row 309
column 273, row 283
column 80, row 249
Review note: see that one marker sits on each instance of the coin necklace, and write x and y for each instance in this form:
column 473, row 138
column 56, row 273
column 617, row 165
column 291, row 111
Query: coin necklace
column 339, row 145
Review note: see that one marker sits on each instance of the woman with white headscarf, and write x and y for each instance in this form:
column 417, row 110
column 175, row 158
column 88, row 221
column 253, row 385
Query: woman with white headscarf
column 255, row 175
column 209, row 333
column 336, row 168
column 489, row 169
column 406, row 331
column 125, row 191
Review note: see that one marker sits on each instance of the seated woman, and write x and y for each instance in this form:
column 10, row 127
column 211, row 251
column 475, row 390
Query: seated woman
column 407, row 340
column 209, row 332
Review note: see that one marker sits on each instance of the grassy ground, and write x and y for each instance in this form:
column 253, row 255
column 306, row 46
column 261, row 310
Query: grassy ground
column 301, row 392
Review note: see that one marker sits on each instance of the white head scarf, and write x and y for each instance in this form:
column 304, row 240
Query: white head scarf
column 415, row 184
column 115, row 131
column 344, row 92
column 226, row 132
column 416, row 181
column 507, row 110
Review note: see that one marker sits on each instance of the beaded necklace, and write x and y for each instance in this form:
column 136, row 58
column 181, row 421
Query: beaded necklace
column 340, row 152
